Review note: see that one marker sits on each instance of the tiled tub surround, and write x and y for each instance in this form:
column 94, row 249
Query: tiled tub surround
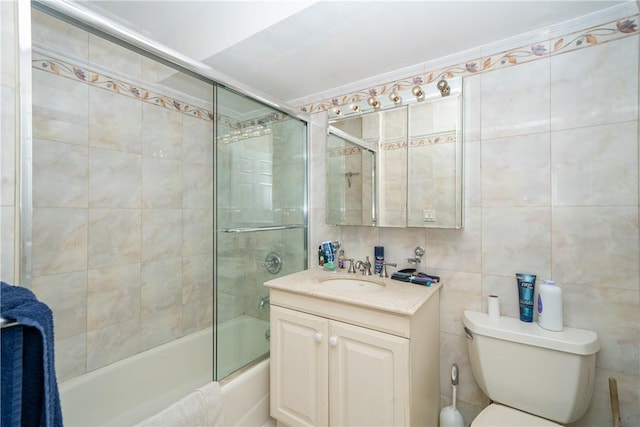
column 123, row 201
column 550, row 187
column 122, row 211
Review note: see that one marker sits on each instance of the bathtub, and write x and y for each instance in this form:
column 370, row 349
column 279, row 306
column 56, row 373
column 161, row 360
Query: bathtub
column 128, row 391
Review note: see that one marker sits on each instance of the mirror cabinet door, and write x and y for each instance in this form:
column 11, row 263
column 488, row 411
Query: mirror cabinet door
column 392, row 168
column 434, row 164
column 350, row 186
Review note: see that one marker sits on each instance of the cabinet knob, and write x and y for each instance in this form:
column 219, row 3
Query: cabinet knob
column 317, row 337
column 333, row 341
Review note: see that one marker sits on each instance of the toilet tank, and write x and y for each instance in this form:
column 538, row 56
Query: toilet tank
column 519, row 364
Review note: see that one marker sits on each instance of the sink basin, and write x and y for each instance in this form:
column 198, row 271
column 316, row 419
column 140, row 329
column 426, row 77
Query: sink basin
column 356, row 283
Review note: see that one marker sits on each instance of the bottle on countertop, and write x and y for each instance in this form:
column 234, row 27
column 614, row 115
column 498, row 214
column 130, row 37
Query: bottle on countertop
column 320, row 256
column 550, row 306
column 341, row 259
column 379, row 258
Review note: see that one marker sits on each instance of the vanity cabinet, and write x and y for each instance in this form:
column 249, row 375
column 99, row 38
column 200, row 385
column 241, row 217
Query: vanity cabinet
column 363, row 373
column 347, row 359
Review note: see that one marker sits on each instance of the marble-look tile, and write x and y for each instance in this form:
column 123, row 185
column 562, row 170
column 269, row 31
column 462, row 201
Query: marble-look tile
column 59, row 36
column 197, row 140
column 59, row 241
column 116, row 58
column 471, row 101
column 599, row 412
column 453, row 349
column 197, row 315
column 596, row 245
column 317, row 166
column 160, row 74
column 198, row 189
column 162, row 183
column 606, row 93
column 7, row 236
column 459, row 250
column 114, row 237
column 197, row 277
column 197, row 235
column 113, row 343
column 60, row 175
column 228, row 306
column 71, row 357
column 114, row 295
column 506, row 288
column 472, row 174
column 161, row 233
column 161, row 285
column 66, row 295
column 114, row 179
column 7, row 145
column 516, row 240
column 595, row 166
column 525, row 90
column 115, row 121
column 8, row 45
column 614, row 314
column 461, row 291
column 515, row 171
column 160, row 327
column 358, row 242
column 161, row 132
column 60, row 108
column 400, row 244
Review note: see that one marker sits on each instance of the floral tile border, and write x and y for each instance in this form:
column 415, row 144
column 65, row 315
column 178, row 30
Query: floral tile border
column 121, row 87
column 443, row 138
column 592, row 36
column 399, row 144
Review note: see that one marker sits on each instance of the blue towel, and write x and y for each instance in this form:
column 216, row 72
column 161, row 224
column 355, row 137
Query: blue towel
column 39, row 402
column 11, row 378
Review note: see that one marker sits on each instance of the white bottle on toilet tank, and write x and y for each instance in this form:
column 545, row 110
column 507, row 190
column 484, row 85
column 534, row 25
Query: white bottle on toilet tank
column 550, row 306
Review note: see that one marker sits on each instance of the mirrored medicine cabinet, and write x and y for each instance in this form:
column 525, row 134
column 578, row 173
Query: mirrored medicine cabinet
column 399, row 164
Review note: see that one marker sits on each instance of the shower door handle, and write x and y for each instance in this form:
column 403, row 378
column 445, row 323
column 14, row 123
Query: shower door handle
column 317, row 337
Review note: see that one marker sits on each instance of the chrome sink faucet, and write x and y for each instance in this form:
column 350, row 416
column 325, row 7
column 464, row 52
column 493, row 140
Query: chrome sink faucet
column 364, row 266
column 352, row 269
column 383, row 272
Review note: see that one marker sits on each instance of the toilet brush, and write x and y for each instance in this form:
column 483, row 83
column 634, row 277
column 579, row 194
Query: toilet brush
column 451, row 416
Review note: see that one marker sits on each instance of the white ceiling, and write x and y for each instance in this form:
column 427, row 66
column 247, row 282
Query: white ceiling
column 297, row 51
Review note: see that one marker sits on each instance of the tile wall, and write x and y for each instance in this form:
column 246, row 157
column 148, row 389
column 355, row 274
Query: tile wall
column 8, row 132
column 122, row 197
column 550, row 188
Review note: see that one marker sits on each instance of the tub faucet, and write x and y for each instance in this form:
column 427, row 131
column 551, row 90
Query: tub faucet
column 365, row 267
column 263, row 302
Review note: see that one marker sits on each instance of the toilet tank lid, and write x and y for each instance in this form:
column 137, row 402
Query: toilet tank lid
column 569, row 340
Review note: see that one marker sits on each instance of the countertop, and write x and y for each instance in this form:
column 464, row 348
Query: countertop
column 385, row 294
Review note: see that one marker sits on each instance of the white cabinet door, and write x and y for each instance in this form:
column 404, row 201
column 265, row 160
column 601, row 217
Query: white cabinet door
column 368, row 377
column 299, row 377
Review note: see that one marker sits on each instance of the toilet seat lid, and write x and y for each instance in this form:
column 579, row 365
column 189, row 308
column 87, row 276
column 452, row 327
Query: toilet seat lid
column 496, row 415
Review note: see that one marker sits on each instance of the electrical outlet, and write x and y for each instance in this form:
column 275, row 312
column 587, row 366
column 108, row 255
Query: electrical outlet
column 429, row 215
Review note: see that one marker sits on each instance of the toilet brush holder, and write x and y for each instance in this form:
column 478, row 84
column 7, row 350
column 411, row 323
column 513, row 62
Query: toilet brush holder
column 451, row 416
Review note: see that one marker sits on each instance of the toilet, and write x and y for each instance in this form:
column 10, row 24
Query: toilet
column 533, row 377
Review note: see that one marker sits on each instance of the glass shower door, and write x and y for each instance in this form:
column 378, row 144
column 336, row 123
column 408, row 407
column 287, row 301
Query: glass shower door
column 260, row 220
